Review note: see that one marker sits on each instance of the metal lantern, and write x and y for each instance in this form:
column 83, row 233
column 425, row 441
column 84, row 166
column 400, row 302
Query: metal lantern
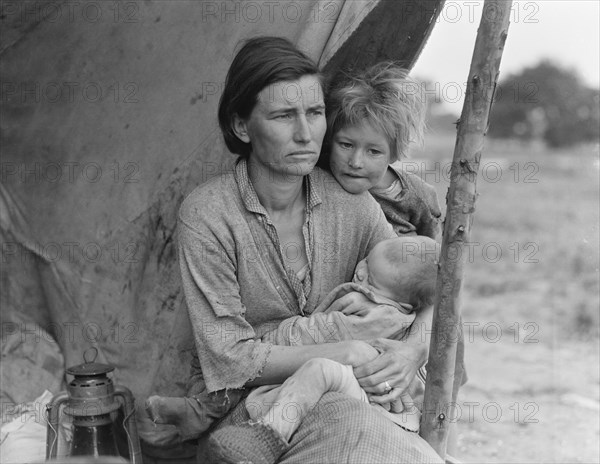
column 99, row 418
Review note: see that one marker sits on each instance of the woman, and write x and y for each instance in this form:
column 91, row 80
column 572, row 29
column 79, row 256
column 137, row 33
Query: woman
column 267, row 242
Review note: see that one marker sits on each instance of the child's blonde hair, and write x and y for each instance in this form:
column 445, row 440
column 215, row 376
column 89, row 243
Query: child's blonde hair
column 386, row 98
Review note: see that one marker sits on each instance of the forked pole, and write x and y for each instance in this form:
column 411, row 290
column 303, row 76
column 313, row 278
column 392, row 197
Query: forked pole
column 439, row 408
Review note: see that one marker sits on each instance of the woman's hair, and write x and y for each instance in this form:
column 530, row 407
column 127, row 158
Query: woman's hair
column 262, row 61
column 386, row 98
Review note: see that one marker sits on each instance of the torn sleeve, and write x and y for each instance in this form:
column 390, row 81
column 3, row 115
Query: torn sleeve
column 228, row 352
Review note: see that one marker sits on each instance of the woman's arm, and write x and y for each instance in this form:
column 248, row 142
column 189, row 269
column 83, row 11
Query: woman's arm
column 283, row 361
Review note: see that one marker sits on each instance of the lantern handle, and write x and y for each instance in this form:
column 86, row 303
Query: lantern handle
column 92, row 351
column 52, row 418
column 130, row 424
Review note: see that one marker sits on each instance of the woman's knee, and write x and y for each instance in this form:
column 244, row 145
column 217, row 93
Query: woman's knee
column 339, row 410
column 355, row 432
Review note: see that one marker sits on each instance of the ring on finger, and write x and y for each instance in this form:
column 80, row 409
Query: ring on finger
column 388, row 387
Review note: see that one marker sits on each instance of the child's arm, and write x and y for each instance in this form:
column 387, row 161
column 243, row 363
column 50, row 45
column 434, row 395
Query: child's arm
column 410, row 205
column 428, row 216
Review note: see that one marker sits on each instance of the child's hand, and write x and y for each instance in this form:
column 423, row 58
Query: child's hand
column 403, row 404
column 353, row 303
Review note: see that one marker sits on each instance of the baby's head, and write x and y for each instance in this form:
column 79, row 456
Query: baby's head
column 371, row 120
column 403, row 269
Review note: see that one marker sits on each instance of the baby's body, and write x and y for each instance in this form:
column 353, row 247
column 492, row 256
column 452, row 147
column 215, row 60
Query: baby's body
column 397, row 277
column 399, row 273
column 390, row 278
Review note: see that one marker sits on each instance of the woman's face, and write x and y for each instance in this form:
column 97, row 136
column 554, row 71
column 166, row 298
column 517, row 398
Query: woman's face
column 286, row 127
column 359, row 157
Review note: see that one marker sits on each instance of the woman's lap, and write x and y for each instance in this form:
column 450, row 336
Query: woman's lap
column 341, row 429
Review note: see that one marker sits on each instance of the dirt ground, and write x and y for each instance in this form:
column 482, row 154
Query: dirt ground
column 530, row 402
column 531, row 312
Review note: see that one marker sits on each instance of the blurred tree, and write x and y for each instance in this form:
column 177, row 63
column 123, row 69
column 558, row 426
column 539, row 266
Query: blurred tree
column 546, row 102
column 439, row 117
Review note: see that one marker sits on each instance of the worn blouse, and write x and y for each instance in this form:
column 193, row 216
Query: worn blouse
column 236, row 284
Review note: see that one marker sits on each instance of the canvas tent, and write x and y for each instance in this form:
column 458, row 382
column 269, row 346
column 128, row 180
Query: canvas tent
column 108, row 120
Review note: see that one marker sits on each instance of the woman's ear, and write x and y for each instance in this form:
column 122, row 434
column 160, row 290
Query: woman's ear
column 240, row 128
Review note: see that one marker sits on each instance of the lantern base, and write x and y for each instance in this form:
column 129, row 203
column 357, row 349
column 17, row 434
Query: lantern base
column 94, row 436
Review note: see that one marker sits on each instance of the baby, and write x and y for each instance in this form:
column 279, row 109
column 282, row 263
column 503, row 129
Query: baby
column 398, row 277
column 400, row 273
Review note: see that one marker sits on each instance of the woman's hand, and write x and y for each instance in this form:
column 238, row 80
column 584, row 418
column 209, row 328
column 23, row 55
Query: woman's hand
column 397, row 365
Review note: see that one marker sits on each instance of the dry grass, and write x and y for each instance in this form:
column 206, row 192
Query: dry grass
column 532, row 347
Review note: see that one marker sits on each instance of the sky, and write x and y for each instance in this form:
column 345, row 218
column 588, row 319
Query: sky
column 565, row 31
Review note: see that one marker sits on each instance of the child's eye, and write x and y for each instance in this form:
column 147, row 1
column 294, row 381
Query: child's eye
column 375, row 152
column 345, row 145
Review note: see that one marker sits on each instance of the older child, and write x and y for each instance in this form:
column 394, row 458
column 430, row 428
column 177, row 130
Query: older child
column 372, row 118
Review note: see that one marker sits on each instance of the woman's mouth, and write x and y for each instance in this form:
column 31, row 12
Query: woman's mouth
column 302, row 153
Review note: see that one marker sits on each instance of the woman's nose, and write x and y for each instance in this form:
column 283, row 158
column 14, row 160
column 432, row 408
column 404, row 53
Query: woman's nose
column 302, row 132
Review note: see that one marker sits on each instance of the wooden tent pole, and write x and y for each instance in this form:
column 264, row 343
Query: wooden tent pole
column 440, row 394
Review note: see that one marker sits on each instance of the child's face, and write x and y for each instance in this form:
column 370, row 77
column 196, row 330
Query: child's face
column 359, row 157
column 374, row 272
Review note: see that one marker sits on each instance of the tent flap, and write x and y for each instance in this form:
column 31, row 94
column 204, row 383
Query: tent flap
column 108, row 120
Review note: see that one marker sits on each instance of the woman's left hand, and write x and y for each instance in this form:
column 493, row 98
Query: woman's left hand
column 397, row 365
